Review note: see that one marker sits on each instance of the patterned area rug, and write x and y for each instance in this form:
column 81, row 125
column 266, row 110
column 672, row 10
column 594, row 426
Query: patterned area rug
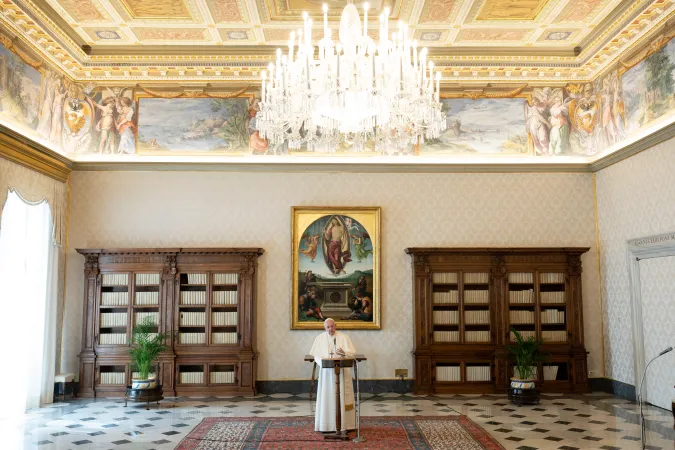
column 415, row 433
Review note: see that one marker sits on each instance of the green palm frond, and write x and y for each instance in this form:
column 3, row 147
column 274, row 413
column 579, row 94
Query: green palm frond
column 146, row 345
column 525, row 354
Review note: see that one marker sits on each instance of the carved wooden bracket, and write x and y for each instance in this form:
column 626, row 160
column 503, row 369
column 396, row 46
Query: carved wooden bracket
column 91, row 269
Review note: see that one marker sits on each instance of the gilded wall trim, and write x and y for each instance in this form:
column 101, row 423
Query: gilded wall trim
column 28, row 153
column 192, row 94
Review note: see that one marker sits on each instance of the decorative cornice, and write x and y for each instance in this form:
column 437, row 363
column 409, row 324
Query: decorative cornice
column 28, row 153
column 192, row 94
column 9, row 45
column 664, row 134
column 476, row 94
column 654, row 46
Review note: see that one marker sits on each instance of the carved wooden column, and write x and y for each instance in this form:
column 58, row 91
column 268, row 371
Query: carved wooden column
column 87, row 356
column 166, row 361
column 246, row 333
column 423, row 311
column 500, row 323
column 579, row 369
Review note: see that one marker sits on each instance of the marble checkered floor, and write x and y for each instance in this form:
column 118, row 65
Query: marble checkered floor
column 594, row 421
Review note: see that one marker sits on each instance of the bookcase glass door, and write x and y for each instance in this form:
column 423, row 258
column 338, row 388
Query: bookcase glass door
column 445, row 310
column 192, row 306
column 224, row 309
column 476, row 307
column 553, row 307
column 114, row 309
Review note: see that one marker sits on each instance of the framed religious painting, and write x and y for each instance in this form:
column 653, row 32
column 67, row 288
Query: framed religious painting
column 335, row 267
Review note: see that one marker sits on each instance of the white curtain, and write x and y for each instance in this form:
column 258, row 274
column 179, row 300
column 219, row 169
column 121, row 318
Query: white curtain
column 28, row 301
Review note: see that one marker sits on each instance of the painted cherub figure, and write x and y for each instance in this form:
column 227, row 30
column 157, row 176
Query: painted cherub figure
column 105, row 124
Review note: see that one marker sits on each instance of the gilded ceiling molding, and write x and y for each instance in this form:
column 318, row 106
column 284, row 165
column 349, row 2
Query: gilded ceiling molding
column 9, row 44
column 195, row 94
column 473, row 95
column 28, row 153
column 654, row 46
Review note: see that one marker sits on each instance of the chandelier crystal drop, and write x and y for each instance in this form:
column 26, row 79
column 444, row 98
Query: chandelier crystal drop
column 353, row 89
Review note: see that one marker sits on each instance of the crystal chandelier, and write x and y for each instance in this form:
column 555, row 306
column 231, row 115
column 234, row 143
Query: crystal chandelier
column 354, row 89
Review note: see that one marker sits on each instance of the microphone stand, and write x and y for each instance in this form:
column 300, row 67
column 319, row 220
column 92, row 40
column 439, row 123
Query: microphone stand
column 643, row 434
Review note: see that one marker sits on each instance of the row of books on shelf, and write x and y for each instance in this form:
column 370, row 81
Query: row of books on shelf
column 482, row 296
column 112, row 378
column 552, row 316
column 521, row 317
column 450, row 297
column 193, row 297
column 192, row 319
column 476, row 278
column 200, row 338
column 147, row 279
column 224, row 297
column 112, row 339
column 225, row 278
column 196, row 278
column 141, row 316
column 524, row 296
column 114, row 298
column 198, row 377
column 222, row 377
column 444, row 277
column 521, row 278
column 478, row 373
column 477, row 317
column 477, row 336
column 469, row 336
column 446, row 336
column 552, row 297
column 446, row 317
column 554, row 336
column 448, row 373
column 191, row 377
column 147, row 298
column 113, row 320
column 115, row 279
column 551, row 278
column 221, row 318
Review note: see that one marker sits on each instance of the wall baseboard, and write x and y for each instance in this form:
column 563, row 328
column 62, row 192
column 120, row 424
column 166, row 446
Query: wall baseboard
column 614, row 387
column 295, row 387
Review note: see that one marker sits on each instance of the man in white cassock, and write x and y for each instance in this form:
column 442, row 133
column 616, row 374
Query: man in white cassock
column 334, row 344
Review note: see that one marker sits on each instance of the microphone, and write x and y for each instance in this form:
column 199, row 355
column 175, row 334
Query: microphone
column 641, row 399
column 668, row 350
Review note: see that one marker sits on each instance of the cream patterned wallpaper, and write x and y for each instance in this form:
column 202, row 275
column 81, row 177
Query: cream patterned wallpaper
column 635, row 199
column 138, row 209
column 658, row 316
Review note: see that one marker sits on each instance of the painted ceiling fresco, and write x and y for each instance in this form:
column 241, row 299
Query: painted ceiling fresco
column 490, row 23
column 232, row 40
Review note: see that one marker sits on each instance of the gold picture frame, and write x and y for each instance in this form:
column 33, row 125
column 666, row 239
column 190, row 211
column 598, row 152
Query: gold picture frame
column 335, row 267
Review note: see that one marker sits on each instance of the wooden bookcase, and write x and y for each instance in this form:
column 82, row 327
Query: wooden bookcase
column 205, row 298
column 467, row 299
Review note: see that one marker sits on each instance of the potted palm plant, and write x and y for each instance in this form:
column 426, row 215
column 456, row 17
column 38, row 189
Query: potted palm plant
column 526, row 356
column 146, row 346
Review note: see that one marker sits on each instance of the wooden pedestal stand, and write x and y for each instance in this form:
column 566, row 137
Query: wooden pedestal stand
column 337, row 364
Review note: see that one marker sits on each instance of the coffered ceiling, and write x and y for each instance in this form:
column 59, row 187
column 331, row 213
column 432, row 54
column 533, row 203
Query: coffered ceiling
column 470, row 39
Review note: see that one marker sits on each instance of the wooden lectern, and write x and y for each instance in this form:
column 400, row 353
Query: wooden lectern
column 337, row 364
